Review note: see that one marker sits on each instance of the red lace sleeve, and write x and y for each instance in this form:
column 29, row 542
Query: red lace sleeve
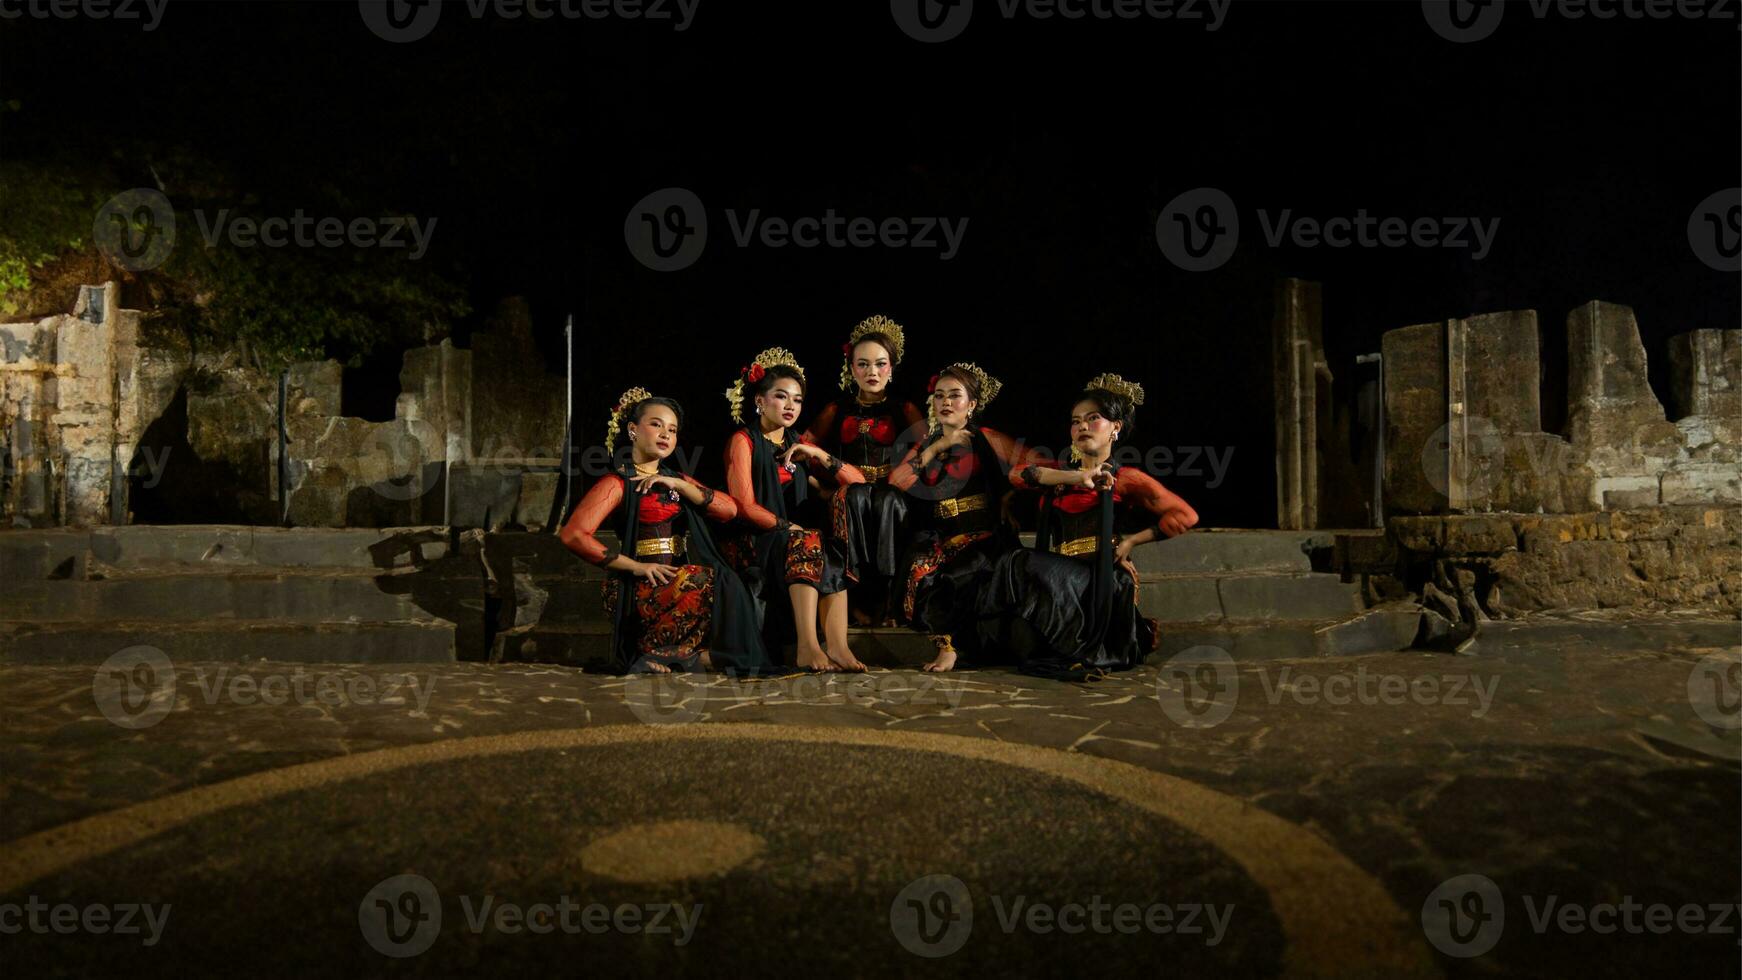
column 1017, row 456
column 721, row 507
column 906, row 472
column 742, row 487
column 580, row 533
column 1173, row 514
column 822, row 430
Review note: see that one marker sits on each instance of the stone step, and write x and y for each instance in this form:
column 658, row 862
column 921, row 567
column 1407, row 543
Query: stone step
column 243, row 593
column 77, row 552
column 1213, row 550
column 1276, row 596
column 1377, row 630
column 234, row 641
column 589, row 647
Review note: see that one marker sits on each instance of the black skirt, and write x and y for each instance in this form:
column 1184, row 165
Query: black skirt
column 1033, row 609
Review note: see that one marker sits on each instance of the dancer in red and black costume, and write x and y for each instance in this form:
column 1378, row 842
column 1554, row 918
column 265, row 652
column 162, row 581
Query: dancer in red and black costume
column 776, row 551
column 864, row 426
column 957, row 476
column 1068, row 607
column 673, row 600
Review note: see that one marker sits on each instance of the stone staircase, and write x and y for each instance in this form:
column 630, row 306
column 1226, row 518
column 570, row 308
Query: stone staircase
column 428, row 595
column 1253, row 594
column 230, row 593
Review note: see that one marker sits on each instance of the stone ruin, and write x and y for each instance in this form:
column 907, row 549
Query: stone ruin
column 102, row 424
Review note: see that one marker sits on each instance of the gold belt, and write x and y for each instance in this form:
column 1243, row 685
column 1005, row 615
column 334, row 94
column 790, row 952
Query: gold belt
column 1078, row 546
column 876, row 472
column 960, row 505
column 661, row 546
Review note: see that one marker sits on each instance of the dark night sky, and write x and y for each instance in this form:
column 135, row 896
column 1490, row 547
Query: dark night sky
column 1060, row 142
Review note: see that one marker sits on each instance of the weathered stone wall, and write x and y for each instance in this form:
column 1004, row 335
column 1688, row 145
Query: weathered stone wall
column 1656, row 558
column 86, row 404
column 1463, row 417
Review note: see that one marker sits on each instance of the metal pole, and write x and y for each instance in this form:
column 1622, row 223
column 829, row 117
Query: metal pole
column 565, row 484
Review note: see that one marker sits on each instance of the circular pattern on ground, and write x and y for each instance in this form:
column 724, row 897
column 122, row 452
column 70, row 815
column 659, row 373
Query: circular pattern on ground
column 500, row 826
column 670, row 850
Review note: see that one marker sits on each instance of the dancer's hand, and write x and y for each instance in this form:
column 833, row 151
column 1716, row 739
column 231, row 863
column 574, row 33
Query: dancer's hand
column 1122, row 551
column 655, row 573
column 805, row 451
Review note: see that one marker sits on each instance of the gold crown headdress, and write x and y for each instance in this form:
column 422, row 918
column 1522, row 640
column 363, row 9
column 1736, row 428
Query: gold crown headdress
column 877, row 323
column 989, row 388
column 624, row 404
column 753, row 373
column 1131, row 391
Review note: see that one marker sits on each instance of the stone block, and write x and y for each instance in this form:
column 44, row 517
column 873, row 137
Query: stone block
column 1502, row 369
column 1608, row 394
column 1703, row 483
column 1705, row 368
column 1415, row 415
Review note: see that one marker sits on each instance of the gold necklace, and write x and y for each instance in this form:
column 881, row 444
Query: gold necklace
column 646, row 469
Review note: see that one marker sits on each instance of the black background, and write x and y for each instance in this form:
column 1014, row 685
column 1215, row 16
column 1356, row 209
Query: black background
column 1059, row 141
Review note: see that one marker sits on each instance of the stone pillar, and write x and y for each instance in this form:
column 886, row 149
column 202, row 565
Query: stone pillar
column 1415, row 416
column 1298, row 370
column 1616, row 422
column 1705, row 368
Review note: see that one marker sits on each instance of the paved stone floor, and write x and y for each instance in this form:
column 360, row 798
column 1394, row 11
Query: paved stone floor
column 1563, row 800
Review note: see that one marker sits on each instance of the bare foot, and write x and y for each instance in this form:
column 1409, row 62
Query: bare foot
column 815, row 660
column 848, row 663
column 861, row 617
column 655, row 667
column 946, row 658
